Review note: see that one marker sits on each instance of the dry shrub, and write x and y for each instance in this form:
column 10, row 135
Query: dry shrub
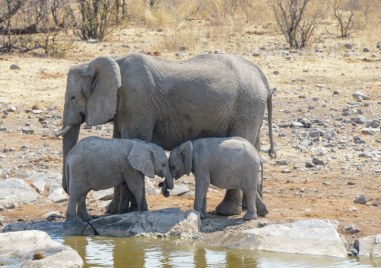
column 370, row 21
column 345, row 12
column 35, row 25
column 180, row 39
column 298, row 19
column 170, row 13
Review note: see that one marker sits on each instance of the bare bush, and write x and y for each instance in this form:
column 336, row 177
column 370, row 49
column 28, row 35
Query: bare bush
column 297, row 20
column 345, row 12
column 96, row 18
column 35, row 24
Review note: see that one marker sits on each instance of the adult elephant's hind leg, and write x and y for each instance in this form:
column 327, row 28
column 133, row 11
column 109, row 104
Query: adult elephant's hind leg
column 231, row 204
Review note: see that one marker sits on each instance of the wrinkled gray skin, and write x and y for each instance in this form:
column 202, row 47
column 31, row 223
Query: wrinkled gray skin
column 228, row 163
column 169, row 102
column 98, row 164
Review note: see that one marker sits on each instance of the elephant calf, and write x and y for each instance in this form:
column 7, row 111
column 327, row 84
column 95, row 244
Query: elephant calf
column 228, row 163
column 98, row 163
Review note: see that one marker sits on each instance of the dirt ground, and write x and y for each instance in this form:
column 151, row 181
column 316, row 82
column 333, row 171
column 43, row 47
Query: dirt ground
column 316, row 83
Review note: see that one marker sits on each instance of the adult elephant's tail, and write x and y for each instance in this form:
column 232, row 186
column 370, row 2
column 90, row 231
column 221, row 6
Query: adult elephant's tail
column 65, row 178
column 272, row 152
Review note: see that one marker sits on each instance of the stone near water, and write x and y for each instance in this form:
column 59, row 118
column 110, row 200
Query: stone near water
column 313, row 237
column 171, row 221
column 163, row 222
column 370, row 246
column 35, row 249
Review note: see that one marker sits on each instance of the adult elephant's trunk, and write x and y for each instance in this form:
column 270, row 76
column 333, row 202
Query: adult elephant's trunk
column 70, row 139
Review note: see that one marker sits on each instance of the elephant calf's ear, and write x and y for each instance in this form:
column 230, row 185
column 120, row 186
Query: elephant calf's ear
column 186, row 150
column 141, row 159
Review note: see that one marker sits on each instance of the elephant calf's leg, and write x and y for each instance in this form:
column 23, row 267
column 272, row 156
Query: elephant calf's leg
column 251, row 210
column 202, row 185
column 261, row 206
column 71, row 212
column 231, row 204
column 82, row 210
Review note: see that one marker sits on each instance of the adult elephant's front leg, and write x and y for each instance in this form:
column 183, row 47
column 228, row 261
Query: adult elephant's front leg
column 122, row 195
column 231, row 204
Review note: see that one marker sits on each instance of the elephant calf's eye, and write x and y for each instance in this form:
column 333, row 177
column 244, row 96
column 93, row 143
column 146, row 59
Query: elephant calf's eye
column 73, row 97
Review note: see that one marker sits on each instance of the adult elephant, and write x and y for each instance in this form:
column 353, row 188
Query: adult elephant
column 169, row 102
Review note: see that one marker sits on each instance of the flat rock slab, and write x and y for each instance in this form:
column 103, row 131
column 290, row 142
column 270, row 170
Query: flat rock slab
column 171, row 221
column 35, row 249
column 370, row 246
column 313, row 237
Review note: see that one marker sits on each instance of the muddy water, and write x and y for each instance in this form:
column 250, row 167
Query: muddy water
column 154, row 252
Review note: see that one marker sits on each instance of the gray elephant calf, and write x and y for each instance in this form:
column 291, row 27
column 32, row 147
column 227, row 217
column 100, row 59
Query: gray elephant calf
column 98, row 163
column 228, row 163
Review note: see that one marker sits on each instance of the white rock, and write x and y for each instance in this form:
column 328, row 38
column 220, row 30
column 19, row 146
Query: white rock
column 40, row 185
column 58, row 195
column 313, row 237
column 150, row 187
column 23, row 192
column 17, row 249
column 103, row 195
column 179, row 189
column 370, row 246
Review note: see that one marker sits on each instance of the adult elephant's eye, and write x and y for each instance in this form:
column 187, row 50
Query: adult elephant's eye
column 73, row 97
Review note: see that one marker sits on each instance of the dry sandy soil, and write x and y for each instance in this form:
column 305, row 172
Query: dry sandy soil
column 316, row 83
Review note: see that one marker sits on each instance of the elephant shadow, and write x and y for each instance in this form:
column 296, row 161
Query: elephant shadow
column 215, row 223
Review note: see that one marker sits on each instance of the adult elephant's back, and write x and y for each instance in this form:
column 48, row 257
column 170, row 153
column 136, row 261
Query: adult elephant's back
column 210, row 95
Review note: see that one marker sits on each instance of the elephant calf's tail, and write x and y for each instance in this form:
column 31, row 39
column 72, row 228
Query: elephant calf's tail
column 272, row 152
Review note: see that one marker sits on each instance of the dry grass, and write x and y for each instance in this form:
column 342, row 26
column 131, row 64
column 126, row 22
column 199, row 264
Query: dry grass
column 223, row 20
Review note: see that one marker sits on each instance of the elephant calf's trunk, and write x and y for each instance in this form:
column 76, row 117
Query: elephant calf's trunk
column 164, row 188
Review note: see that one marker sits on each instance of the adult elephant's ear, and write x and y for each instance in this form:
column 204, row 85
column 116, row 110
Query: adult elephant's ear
column 102, row 90
column 141, row 159
column 186, row 150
